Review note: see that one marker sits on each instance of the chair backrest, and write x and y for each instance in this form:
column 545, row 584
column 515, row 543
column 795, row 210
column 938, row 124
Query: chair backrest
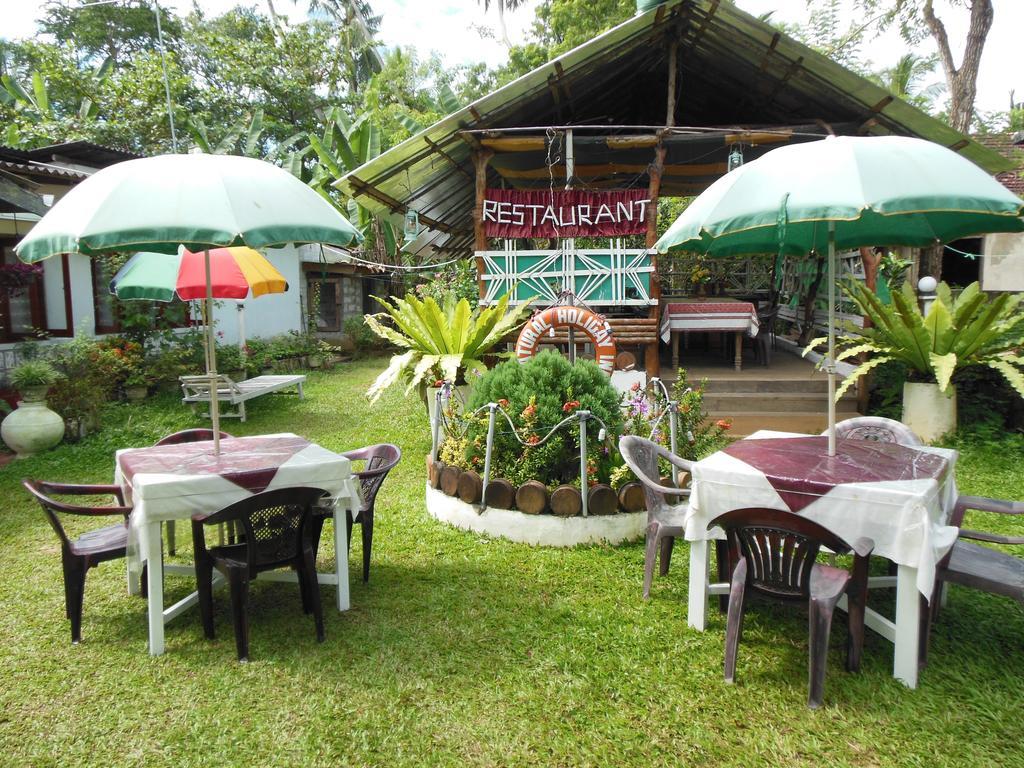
column 275, row 524
column 878, row 429
column 189, row 436
column 779, row 547
column 641, row 456
column 378, row 461
column 43, row 492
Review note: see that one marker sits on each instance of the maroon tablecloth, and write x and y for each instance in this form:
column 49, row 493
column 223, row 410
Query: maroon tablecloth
column 800, row 469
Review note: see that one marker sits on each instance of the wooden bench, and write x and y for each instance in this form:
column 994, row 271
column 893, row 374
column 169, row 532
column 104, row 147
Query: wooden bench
column 196, row 389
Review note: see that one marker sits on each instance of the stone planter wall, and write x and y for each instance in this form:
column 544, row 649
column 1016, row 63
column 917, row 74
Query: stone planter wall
column 529, row 513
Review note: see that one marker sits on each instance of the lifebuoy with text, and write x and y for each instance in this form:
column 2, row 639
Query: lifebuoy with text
column 595, row 327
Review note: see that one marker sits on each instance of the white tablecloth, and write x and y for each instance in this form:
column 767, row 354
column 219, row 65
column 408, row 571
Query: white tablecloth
column 906, row 518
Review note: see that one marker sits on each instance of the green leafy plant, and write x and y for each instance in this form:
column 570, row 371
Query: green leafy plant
column 33, row 373
column 973, row 330
column 440, row 343
column 537, row 395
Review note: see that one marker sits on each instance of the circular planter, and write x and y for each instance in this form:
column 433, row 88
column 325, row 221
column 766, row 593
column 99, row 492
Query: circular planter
column 554, row 519
column 31, row 428
column 928, row 412
column 545, row 530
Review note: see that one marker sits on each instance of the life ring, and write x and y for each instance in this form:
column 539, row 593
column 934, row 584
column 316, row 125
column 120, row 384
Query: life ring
column 593, row 325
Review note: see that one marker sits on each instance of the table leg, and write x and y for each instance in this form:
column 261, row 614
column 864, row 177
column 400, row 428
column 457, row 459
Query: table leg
column 739, row 351
column 153, row 556
column 341, row 557
column 675, row 350
column 908, row 616
column 698, row 603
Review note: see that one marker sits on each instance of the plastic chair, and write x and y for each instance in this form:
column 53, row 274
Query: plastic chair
column 177, row 438
column 877, row 429
column 774, row 552
column 664, row 520
column 378, row 460
column 976, row 566
column 276, row 535
column 88, row 550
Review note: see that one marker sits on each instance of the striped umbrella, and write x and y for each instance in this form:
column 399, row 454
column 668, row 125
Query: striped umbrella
column 235, row 273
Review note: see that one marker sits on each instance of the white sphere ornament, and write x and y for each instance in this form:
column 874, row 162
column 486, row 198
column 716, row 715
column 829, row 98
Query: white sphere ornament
column 927, row 284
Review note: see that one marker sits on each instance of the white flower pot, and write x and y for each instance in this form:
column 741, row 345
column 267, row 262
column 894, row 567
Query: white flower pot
column 31, row 428
column 928, row 412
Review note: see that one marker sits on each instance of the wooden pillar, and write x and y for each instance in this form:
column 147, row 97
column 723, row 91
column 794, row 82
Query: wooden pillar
column 481, row 158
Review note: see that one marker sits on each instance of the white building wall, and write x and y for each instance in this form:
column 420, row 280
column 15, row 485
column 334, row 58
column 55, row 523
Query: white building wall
column 1002, row 265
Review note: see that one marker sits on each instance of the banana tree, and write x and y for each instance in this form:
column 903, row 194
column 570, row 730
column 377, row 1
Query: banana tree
column 249, row 139
column 344, row 146
column 439, row 342
column 973, row 330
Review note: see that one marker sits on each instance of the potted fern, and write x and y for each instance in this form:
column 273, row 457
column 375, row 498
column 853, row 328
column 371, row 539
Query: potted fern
column 972, row 330
column 439, row 343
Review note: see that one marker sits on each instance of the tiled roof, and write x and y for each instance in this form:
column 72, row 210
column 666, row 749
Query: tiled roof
column 1007, row 144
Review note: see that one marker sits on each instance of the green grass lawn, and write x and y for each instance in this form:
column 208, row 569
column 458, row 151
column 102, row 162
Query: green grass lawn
column 464, row 650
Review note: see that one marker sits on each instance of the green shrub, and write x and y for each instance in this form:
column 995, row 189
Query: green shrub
column 537, row 395
column 33, row 373
column 91, row 373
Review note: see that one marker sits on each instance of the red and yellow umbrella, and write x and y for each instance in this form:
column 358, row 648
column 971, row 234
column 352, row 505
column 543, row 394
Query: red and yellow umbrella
column 235, row 273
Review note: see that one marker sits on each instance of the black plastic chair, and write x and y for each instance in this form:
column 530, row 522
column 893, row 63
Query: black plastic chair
column 91, row 548
column 378, row 461
column 764, row 342
column 774, row 554
column 276, row 534
column 177, row 438
column 976, row 566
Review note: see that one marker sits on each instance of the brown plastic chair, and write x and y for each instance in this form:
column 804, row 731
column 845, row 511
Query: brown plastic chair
column 774, row 552
column 975, row 566
column 276, row 527
column 877, row 429
column 177, row 438
column 664, row 520
column 89, row 549
column 378, row 461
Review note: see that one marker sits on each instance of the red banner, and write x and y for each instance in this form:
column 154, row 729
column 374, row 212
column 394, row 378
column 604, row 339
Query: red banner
column 564, row 213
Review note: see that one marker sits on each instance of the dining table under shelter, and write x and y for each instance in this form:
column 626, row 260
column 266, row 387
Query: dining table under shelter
column 709, row 315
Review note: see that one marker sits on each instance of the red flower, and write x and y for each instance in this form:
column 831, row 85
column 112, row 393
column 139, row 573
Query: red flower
column 724, row 424
column 570, row 406
column 529, row 410
column 439, row 383
column 532, row 440
column 503, row 403
column 635, row 387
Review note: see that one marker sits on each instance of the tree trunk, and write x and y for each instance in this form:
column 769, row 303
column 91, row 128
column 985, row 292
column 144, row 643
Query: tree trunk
column 602, row 500
column 470, row 487
column 501, row 494
column 631, row 497
column 962, row 82
column 532, row 497
column 566, row 501
column 450, row 481
column 807, row 331
column 930, row 262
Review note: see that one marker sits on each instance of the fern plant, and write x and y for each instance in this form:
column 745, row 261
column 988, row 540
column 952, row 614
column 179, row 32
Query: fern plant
column 973, row 330
column 439, row 342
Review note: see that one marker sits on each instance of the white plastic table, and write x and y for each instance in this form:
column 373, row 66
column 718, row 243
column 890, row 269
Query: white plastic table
column 174, row 482
column 899, row 497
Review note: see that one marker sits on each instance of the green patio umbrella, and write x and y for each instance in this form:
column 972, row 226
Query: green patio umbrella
column 158, row 204
column 844, row 192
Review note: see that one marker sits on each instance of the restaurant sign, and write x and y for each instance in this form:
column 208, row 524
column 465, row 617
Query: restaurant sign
column 514, row 213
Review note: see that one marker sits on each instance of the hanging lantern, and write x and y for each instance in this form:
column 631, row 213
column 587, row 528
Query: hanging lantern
column 735, row 157
column 412, row 225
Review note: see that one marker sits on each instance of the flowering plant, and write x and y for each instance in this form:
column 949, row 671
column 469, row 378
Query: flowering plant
column 700, row 274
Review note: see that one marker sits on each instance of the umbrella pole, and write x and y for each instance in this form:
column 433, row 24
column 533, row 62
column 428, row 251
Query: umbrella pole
column 831, row 362
column 211, row 358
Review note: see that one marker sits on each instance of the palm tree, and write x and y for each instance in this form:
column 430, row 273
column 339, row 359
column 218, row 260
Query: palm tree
column 502, row 6
column 904, row 79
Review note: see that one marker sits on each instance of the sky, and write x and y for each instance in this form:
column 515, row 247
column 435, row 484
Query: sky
column 453, row 29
